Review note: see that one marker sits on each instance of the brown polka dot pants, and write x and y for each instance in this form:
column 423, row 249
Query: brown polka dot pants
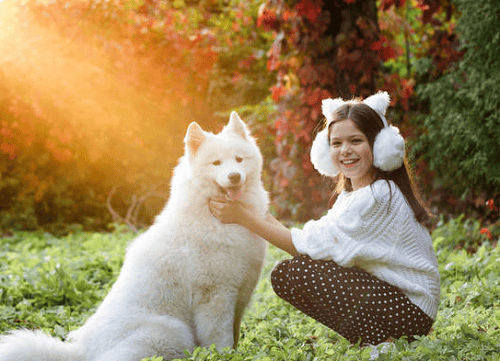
column 350, row 301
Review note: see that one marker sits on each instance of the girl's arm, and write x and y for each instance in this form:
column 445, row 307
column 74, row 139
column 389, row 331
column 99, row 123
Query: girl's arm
column 229, row 211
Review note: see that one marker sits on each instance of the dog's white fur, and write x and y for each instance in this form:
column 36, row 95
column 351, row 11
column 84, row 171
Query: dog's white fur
column 187, row 280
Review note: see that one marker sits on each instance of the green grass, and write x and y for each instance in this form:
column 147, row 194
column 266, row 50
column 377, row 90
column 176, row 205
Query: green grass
column 56, row 283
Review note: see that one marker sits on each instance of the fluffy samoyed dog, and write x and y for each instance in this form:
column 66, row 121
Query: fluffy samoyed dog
column 186, row 281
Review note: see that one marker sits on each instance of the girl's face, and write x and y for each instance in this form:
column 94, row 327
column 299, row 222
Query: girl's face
column 351, row 153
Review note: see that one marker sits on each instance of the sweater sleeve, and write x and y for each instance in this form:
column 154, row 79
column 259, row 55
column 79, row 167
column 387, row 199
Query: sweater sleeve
column 357, row 229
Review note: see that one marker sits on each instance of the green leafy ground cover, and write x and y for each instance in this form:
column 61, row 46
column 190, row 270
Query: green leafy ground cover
column 56, row 283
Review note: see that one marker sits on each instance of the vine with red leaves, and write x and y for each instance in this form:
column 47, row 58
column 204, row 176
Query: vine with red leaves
column 342, row 48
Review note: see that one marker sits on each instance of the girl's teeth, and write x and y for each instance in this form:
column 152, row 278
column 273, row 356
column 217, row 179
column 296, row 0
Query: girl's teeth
column 347, row 162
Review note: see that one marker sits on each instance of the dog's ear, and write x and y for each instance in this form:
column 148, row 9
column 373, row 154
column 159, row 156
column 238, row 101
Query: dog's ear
column 236, row 125
column 195, row 136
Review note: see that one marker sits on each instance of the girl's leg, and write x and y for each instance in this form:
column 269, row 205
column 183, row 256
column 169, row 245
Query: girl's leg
column 348, row 300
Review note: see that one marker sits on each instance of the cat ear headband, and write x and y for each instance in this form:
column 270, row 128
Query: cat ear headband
column 388, row 148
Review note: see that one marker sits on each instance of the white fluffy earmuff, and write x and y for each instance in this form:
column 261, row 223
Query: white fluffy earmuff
column 388, row 148
column 320, row 149
column 320, row 155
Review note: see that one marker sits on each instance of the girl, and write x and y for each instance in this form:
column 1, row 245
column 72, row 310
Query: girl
column 367, row 269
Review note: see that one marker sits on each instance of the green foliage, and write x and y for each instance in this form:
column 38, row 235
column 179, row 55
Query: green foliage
column 44, row 280
column 239, row 76
column 463, row 233
column 53, row 283
column 462, row 131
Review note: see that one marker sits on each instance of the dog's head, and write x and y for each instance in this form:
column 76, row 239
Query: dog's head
column 223, row 163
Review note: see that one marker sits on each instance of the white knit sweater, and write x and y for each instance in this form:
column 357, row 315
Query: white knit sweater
column 378, row 233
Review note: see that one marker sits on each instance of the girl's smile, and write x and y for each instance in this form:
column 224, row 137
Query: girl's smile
column 351, row 153
column 349, row 162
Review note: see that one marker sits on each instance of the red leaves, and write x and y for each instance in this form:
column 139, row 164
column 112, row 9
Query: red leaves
column 277, row 91
column 61, row 154
column 384, row 48
column 407, row 90
column 284, row 182
column 429, row 8
column 9, row 148
column 17, row 134
column 444, row 49
column 491, row 205
column 204, row 60
column 312, row 96
column 247, row 63
column 310, row 9
column 237, row 77
column 387, row 4
column 7, row 144
column 267, row 19
column 487, row 233
column 401, row 89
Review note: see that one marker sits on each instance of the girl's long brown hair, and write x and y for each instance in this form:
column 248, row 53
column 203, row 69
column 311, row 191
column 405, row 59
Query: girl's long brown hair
column 369, row 122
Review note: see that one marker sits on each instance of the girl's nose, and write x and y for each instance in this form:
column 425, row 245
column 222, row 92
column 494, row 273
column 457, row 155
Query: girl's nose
column 346, row 148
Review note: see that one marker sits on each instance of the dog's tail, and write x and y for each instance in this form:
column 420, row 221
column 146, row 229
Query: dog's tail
column 26, row 345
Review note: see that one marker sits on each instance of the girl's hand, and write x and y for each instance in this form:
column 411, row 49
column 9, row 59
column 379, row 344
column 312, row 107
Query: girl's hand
column 230, row 211
column 226, row 210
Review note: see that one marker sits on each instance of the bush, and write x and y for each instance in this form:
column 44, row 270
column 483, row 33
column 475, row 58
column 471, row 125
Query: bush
column 68, row 145
column 462, row 137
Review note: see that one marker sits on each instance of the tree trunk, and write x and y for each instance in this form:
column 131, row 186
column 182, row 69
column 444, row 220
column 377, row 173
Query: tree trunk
column 352, row 27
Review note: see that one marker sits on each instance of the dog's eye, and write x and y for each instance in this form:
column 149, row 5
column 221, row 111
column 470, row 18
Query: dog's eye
column 216, row 162
column 239, row 159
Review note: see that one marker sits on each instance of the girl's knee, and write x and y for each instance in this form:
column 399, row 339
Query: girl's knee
column 279, row 276
column 283, row 269
column 282, row 279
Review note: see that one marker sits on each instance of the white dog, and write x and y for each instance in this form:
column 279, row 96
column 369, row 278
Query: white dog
column 187, row 280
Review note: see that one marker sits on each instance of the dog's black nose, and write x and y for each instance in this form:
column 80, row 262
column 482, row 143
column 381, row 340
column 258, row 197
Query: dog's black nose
column 234, row 177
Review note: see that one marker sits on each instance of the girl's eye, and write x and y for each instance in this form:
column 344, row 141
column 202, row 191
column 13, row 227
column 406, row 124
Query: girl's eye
column 239, row 159
column 216, row 162
column 356, row 141
column 335, row 143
